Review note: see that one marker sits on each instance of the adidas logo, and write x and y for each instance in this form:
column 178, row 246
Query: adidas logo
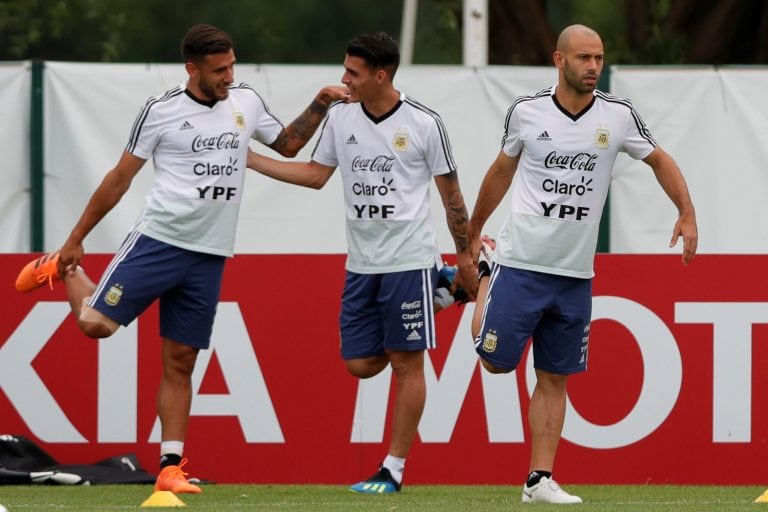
column 414, row 336
column 544, row 136
column 186, row 126
column 352, row 139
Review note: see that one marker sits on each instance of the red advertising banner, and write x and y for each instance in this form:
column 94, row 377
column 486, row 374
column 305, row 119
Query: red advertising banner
column 674, row 393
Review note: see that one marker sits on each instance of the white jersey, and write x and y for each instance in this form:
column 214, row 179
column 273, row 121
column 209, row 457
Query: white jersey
column 562, row 179
column 387, row 165
column 199, row 152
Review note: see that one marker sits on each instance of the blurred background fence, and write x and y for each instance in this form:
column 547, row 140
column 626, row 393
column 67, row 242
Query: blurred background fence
column 64, row 124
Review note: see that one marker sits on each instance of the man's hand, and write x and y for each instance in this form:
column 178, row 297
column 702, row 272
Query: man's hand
column 331, row 93
column 686, row 227
column 70, row 255
column 466, row 277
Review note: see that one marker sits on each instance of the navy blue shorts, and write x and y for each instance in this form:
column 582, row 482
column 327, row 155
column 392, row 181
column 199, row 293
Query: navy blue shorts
column 187, row 283
column 554, row 310
column 392, row 311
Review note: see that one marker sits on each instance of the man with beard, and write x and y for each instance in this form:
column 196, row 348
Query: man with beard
column 197, row 135
column 561, row 143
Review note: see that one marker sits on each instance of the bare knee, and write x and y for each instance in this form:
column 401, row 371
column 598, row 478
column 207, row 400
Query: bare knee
column 368, row 367
column 96, row 330
column 407, row 364
column 95, row 324
column 178, row 359
column 552, row 382
column 493, row 369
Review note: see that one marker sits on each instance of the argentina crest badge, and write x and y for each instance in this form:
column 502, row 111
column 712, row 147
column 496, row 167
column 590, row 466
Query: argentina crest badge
column 490, row 341
column 239, row 119
column 114, row 294
column 602, row 138
column 401, row 140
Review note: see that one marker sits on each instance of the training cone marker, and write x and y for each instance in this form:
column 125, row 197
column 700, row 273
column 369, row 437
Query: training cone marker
column 163, row 499
column 763, row 498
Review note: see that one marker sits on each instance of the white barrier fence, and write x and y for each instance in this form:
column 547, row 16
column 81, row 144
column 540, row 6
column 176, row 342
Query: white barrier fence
column 712, row 121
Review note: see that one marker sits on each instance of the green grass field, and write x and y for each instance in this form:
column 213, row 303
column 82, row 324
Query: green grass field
column 413, row 498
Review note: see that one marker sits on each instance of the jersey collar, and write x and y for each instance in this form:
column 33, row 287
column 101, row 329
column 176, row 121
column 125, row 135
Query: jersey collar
column 205, row 103
column 377, row 120
column 572, row 117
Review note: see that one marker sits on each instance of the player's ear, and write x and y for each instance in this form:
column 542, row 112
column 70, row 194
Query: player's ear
column 191, row 68
column 557, row 58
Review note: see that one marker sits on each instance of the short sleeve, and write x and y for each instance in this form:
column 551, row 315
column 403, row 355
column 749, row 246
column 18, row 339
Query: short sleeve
column 267, row 126
column 145, row 134
column 438, row 151
column 325, row 149
column 511, row 142
column 638, row 142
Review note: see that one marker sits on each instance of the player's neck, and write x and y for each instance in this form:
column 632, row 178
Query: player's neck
column 572, row 100
column 382, row 103
column 193, row 90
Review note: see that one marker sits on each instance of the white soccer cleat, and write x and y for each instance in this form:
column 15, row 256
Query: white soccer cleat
column 487, row 248
column 547, row 491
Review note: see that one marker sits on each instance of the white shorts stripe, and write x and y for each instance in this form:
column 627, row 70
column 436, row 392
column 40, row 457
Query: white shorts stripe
column 429, row 308
column 128, row 244
column 494, row 274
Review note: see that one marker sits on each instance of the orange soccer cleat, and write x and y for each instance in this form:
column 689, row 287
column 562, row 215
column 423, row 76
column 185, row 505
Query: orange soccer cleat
column 35, row 274
column 172, row 478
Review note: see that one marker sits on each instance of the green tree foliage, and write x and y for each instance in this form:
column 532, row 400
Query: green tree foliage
column 439, row 36
column 316, row 31
column 276, row 31
column 616, row 25
column 62, row 29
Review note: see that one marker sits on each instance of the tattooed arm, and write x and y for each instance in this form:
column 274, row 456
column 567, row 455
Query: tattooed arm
column 458, row 221
column 297, row 134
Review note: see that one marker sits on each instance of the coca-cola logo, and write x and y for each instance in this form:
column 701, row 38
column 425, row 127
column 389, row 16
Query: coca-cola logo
column 577, row 162
column 381, row 163
column 227, row 140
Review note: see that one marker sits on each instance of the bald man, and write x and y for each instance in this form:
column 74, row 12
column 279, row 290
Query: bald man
column 562, row 142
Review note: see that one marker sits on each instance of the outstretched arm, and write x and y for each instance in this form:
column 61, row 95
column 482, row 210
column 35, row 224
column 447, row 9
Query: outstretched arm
column 115, row 183
column 457, row 217
column 297, row 134
column 671, row 180
column 307, row 174
column 495, row 184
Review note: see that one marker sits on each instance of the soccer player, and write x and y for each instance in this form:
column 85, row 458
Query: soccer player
column 560, row 146
column 388, row 148
column 197, row 135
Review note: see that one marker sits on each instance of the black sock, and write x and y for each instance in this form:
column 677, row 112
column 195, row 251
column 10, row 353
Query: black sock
column 483, row 269
column 169, row 459
column 536, row 475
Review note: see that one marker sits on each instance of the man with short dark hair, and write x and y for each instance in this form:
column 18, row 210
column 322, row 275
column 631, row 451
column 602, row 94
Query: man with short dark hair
column 176, row 252
column 388, row 148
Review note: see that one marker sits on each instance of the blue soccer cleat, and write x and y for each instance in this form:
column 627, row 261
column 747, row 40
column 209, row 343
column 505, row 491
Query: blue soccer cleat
column 380, row 483
column 445, row 280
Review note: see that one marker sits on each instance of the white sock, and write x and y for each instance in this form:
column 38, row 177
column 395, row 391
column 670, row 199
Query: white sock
column 396, row 466
column 443, row 297
column 174, row 447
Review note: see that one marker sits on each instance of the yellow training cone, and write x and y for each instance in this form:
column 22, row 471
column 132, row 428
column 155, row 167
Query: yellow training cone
column 763, row 498
column 163, row 499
